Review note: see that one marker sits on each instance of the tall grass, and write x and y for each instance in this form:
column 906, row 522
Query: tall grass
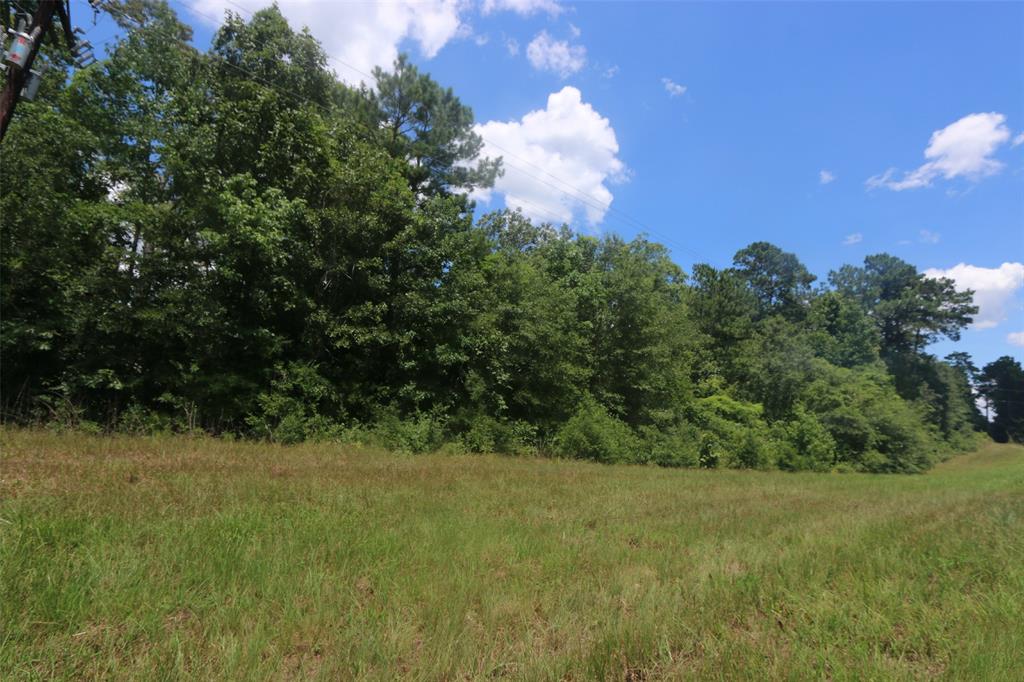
column 169, row 558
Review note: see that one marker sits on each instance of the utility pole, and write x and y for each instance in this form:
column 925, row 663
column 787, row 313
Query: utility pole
column 42, row 21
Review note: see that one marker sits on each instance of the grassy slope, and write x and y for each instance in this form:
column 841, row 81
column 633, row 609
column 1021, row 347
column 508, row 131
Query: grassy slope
column 150, row 558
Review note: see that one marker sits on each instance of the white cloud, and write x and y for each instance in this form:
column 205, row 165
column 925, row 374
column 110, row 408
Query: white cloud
column 575, row 31
column 559, row 160
column 1015, row 338
column 558, row 56
column 523, row 7
column 611, row 71
column 361, row 35
column 481, row 40
column 825, row 177
column 1017, row 141
column 672, row 88
column 851, row 239
column 961, row 149
column 512, row 45
column 929, row 237
column 995, row 289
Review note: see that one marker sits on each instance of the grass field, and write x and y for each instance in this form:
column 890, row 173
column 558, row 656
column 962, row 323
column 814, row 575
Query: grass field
column 168, row 558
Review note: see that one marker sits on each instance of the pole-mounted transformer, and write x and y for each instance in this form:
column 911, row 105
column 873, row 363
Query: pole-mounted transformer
column 21, row 48
column 35, row 78
column 18, row 59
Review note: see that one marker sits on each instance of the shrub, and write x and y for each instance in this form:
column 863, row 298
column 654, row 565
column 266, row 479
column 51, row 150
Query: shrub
column 873, row 428
column 416, row 433
column 734, row 434
column 592, row 433
column 141, row 421
column 676, row 446
column 300, row 405
column 804, row 443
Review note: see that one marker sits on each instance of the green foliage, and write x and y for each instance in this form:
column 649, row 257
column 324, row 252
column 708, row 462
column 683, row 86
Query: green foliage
column 910, row 310
column 142, row 421
column 427, row 126
column 840, row 331
column 415, row 433
column 233, row 241
column 873, row 428
column 734, row 434
column 300, row 405
column 777, row 367
column 671, row 446
column 592, row 433
column 779, row 281
column 1001, row 383
column 804, row 443
column 484, row 433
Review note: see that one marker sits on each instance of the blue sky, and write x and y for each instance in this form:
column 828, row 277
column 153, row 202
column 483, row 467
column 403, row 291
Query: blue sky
column 713, row 125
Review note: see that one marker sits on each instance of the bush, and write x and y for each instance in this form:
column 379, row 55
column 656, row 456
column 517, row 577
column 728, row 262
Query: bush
column 140, row 421
column 874, row 429
column 676, row 446
column 804, row 444
column 416, row 433
column 594, row 434
column 300, row 405
column 733, row 433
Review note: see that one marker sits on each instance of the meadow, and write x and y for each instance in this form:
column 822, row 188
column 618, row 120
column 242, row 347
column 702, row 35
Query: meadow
column 178, row 557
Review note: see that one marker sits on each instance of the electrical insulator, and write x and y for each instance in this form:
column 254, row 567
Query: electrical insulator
column 80, row 47
column 83, row 54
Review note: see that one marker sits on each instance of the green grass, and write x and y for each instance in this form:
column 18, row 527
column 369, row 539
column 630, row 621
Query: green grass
column 166, row 558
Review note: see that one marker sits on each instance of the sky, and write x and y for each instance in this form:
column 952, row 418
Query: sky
column 833, row 130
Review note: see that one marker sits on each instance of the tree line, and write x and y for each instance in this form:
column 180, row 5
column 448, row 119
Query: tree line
column 234, row 241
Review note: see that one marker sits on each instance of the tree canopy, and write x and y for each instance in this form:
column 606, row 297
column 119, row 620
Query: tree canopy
column 232, row 240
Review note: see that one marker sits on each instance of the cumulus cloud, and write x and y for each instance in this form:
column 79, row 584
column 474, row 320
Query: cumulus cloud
column 611, row 71
column 1017, row 141
column 557, row 56
column 523, row 7
column 512, row 45
column 825, row 177
column 559, row 160
column 361, row 35
column 1015, row 339
column 851, row 239
column 995, row 289
column 961, row 149
column 929, row 237
column 672, row 88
